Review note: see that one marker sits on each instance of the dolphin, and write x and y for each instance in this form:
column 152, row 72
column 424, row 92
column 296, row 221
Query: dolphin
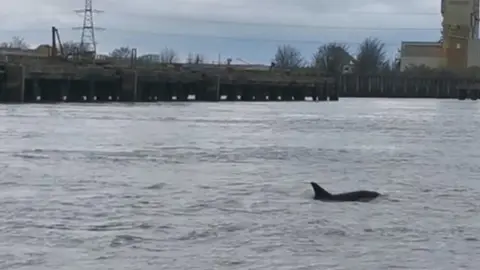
column 354, row 196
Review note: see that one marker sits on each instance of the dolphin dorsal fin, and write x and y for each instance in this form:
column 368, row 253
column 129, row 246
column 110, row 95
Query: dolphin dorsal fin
column 319, row 191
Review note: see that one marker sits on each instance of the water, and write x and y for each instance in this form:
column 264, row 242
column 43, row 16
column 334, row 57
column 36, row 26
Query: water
column 225, row 186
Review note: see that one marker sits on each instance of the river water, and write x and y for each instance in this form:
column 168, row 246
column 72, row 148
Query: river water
column 226, row 185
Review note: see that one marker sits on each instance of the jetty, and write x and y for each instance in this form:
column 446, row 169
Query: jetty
column 27, row 83
column 403, row 85
column 68, row 83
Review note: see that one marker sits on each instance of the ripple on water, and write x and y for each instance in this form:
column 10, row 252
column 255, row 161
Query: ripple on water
column 225, row 186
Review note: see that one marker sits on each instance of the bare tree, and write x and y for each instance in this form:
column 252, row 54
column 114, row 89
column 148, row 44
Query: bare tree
column 122, row 52
column 71, row 47
column 371, row 57
column 331, row 58
column 288, row 57
column 16, row 43
column 195, row 58
column 168, row 56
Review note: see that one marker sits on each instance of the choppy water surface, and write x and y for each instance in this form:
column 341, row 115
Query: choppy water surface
column 225, row 186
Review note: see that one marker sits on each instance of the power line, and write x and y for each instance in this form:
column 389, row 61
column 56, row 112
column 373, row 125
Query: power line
column 221, row 37
column 393, row 13
column 166, row 17
column 248, row 39
column 292, row 25
column 318, row 27
column 350, row 12
column 244, row 5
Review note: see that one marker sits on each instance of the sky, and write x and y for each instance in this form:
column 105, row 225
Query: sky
column 247, row 31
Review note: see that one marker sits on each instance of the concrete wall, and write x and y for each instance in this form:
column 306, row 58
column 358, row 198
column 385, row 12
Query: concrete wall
column 459, row 12
column 456, row 49
column 459, row 25
column 15, row 84
column 421, row 49
column 129, row 83
column 473, row 53
column 430, row 54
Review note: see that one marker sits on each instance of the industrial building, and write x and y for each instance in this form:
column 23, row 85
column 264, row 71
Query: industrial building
column 459, row 47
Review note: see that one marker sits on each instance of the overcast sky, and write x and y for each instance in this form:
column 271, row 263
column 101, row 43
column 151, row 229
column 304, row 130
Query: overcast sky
column 246, row 29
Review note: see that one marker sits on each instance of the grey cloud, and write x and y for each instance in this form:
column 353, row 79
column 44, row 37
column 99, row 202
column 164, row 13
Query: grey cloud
column 309, row 12
column 122, row 13
column 249, row 19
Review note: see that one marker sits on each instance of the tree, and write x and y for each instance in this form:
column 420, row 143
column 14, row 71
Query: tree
column 122, row 52
column 195, row 58
column 16, row 43
column 168, row 56
column 371, row 57
column 288, row 57
column 331, row 58
column 71, row 47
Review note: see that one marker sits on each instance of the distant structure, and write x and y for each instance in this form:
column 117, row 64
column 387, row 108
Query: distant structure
column 459, row 46
column 7, row 54
column 88, row 43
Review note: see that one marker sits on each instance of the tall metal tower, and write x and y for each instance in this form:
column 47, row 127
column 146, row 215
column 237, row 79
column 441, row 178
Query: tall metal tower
column 87, row 40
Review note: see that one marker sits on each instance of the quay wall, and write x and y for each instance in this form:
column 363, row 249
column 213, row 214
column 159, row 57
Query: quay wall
column 23, row 83
column 98, row 84
column 408, row 87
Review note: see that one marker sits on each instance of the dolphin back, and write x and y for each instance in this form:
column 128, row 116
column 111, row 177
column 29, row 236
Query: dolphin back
column 320, row 193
